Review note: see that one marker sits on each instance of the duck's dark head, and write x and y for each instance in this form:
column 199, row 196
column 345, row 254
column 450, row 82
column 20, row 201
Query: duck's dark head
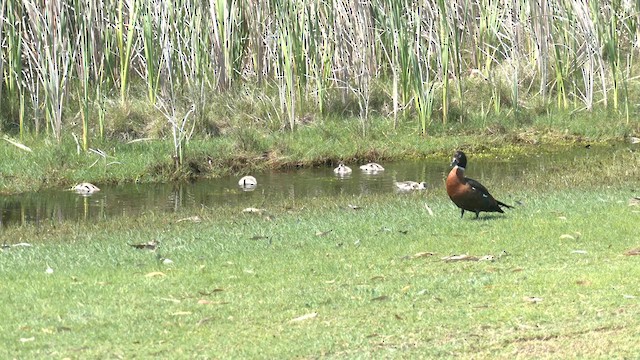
column 459, row 159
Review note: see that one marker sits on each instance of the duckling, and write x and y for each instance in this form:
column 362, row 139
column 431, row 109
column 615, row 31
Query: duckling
column 410, row 185
column 248, row 182
column 342, row 169
column 372, row 167
column 85, row 188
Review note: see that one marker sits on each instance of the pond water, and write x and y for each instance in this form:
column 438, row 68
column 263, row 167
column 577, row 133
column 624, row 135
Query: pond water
column 56, row 206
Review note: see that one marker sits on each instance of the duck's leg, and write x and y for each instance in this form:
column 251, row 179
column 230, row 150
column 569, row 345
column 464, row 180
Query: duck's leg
column 462, row 213
column 477, row 214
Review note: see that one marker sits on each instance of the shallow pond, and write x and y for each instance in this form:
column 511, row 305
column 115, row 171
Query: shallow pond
column 55, row 206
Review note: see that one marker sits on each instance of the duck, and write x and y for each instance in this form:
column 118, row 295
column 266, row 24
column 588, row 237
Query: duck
column 85, row 188
column 469, row 194
column 410, row 185
column 372, row 167
column 342, row 169
column 248, row 182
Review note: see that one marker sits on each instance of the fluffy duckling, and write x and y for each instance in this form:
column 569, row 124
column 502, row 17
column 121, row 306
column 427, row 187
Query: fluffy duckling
column 248, row 182
column 342, row 169
column 410, row 185
column 85, row 188
column 372, row 167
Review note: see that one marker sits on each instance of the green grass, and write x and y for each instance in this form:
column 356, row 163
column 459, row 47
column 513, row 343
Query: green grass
column 228, row 295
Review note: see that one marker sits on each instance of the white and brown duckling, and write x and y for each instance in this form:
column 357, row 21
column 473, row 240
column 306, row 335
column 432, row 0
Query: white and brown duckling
column 372, row 167
column 342, row 169
column 85, row 188
column 410, row 185
column 248, row 182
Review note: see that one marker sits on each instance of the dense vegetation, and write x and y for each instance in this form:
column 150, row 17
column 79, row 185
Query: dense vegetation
column 103, row 73
column 78, row 55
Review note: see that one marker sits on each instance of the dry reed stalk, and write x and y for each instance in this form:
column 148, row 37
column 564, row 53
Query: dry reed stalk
column 574, row 50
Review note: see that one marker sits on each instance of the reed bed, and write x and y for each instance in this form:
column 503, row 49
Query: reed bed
column 421, row 55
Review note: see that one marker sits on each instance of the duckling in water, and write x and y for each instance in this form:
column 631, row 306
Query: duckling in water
column 372, row 167
column 410, row 185
column 342, row 169
column 85, row 188
column 248, row 182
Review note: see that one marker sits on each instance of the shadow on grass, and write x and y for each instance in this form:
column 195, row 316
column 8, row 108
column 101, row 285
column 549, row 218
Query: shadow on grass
column 490, row 217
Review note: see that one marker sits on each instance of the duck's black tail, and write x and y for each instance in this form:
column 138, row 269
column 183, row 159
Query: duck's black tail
column 500, row 203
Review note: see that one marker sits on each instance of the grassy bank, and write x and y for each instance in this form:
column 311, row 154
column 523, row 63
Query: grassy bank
column 143, row 157
column 320, row 279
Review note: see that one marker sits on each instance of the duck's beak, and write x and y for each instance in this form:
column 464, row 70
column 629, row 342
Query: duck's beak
column 454, row 162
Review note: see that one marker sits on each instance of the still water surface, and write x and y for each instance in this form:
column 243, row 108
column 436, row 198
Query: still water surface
column 58, row 205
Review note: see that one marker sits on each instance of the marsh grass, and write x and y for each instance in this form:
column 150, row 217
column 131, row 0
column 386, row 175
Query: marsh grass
column 238, row 280
column 250, row 149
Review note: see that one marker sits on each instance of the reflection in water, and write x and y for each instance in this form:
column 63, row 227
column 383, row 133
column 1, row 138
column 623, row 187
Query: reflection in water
column 56, row 206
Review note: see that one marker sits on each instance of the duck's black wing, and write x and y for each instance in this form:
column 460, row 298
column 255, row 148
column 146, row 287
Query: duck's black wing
column 476, row 186
column 483, row 192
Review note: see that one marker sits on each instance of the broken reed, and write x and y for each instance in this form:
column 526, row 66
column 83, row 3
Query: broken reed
column 313, row 52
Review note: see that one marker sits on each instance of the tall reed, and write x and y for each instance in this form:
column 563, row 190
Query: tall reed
column 83, row 67
column 127, row 21
column 52, row 52
column 150, row 45
column 286, row 64
column 581, row 53
column 12, row 32
column 320, row 51
column 399, row 19
column 167, row 102
column 445, row 48
column 228, row 39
